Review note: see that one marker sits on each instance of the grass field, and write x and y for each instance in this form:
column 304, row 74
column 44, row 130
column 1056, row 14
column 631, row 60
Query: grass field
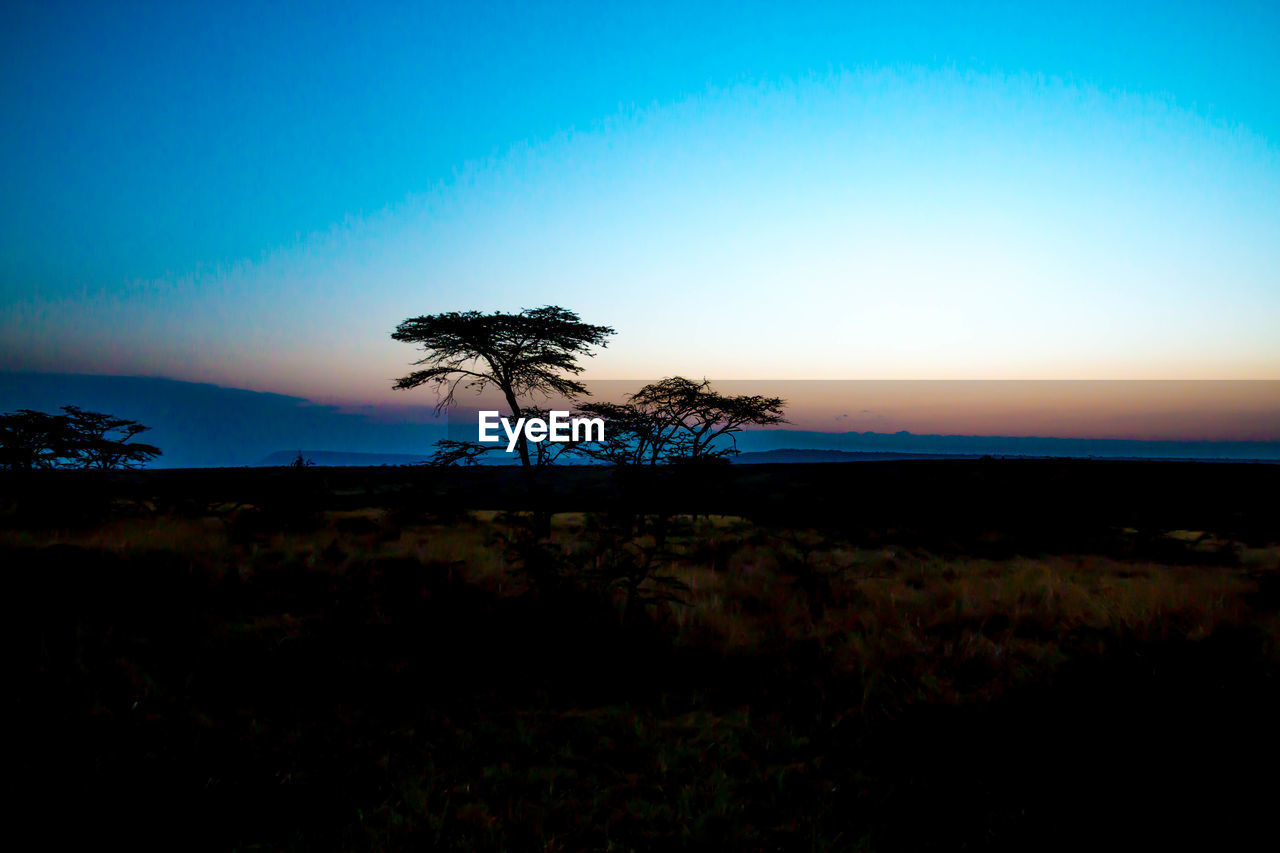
column 364, row 673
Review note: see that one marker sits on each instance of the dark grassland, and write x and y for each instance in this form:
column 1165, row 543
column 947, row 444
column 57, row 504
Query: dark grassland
column 881, row 656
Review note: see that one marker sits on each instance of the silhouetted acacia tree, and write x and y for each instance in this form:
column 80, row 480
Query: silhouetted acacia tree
column 31, row 440
column 101, row 441
column 535, row 351
column 679, row 420
column 77, row 438
column 629, row 435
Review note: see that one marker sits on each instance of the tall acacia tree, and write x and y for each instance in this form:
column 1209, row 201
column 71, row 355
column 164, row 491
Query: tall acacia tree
column 535, row 351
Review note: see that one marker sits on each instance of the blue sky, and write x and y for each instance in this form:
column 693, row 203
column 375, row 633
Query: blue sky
column 255, row 195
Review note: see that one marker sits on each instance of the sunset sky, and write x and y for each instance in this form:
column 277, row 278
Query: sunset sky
column 255, row 195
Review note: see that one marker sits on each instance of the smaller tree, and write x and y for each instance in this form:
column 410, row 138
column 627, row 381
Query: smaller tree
column 102, row 442
column 695, row 417
column 76, row 438
column 678, row 420
column 631, row 433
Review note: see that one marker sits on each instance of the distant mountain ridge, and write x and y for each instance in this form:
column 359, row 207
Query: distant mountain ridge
column 198, row 425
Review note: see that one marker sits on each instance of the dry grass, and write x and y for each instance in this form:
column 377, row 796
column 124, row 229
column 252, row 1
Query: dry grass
column 749, row 714
column 752, row 590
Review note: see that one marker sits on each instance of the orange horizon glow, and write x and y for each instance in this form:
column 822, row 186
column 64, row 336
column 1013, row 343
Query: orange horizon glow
column 1147, row 410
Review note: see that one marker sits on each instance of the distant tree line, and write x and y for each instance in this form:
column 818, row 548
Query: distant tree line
column 536, row 351
column 76, row 438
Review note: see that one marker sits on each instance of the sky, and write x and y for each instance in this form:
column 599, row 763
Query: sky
column 254, row 195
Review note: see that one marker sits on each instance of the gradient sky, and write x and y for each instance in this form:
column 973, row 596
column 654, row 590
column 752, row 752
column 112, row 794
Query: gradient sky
column 254, row 195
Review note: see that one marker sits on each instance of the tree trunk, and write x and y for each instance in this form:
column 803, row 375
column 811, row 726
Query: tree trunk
column 521, row 444
column 541, row 515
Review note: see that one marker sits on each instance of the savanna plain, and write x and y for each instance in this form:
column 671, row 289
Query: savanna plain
column 973, row 654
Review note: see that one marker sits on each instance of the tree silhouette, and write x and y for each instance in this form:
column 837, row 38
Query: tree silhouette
column 102, row 442
column 535, row 351
column 679, row 420
column 630, row 433
column 30, row 440
column 77, row 438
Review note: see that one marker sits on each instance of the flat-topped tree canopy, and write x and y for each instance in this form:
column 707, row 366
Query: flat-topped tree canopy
column 533, row 351
column 521, row 353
